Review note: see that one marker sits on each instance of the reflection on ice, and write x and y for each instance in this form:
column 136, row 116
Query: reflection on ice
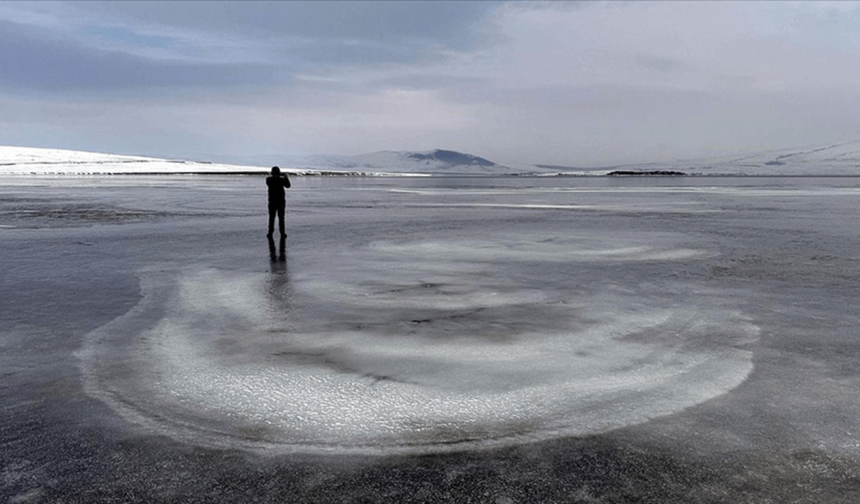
column 415, row 346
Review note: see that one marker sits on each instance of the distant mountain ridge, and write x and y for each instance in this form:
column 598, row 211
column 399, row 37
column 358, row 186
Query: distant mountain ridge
column 433, row 161
column 42, row 161
column 451, row 158
column 838, row 159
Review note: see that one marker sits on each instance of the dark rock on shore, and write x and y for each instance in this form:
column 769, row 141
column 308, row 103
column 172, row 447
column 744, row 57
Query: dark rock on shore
column 645, row 173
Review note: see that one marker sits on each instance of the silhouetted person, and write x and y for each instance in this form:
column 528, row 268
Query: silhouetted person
column 277, row 200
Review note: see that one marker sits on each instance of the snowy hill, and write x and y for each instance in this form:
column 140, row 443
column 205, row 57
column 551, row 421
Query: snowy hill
column 836, row 159
column 437, row 161
column 35, row 161
column 841, row 159
column 434, row 162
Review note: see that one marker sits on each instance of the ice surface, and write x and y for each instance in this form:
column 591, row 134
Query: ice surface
column 706, row 327
column 447, row 315
column 419, row 345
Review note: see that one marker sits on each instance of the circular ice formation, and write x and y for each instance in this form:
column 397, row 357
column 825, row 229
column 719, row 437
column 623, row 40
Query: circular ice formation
column 396, row 363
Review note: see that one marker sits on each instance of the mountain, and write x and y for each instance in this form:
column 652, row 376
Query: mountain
column 38, row 161
column 837, row 159
column 433, row 162
column 833, row 159
column 436, row 161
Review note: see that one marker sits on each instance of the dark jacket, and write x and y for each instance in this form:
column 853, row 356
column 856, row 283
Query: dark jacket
column 276, row 189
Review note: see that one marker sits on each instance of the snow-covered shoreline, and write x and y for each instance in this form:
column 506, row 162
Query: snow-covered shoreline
column 25, row 161
column 840, row 160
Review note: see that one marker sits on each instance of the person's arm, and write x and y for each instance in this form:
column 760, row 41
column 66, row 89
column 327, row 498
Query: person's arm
column 286, row 180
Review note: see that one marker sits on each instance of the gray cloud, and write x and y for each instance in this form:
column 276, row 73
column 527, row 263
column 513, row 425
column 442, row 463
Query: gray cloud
column 659, row 63
column 447, row 23
column 118, row 45
column 553, row 82
column 36, row 59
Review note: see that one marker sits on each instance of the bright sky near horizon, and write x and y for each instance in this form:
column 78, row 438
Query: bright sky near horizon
column 568, row 83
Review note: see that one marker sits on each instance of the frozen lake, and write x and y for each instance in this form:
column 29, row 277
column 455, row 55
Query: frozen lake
column 469, row 338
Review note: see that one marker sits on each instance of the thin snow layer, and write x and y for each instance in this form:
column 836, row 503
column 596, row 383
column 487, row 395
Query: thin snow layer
column 17, row 161
column 416, row 346
column 838, row 159
column 37, row 161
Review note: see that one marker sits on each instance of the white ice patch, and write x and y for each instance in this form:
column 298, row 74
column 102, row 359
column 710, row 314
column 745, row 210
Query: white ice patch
column 557, row 250
column 413, row 347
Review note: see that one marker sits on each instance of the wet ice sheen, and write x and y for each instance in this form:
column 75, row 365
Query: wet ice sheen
column 416, row 346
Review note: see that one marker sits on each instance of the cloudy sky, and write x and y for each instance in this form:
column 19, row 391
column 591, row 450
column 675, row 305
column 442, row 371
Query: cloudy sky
column 568, row 83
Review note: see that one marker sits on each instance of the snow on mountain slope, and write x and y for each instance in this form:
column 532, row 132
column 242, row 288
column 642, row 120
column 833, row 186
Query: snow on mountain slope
column 436, row 161
column 840, row 159
column 36, row 161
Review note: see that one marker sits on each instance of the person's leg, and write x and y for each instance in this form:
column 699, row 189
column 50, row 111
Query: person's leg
column 281, row 221
column 273, row 253
column 271, row 228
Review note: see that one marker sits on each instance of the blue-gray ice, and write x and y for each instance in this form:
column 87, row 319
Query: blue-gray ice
column 421, row 343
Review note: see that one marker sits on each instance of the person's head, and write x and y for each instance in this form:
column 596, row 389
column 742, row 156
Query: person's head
column 276, row 171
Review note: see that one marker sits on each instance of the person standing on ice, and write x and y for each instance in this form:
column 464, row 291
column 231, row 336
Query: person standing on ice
column 277, row 201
